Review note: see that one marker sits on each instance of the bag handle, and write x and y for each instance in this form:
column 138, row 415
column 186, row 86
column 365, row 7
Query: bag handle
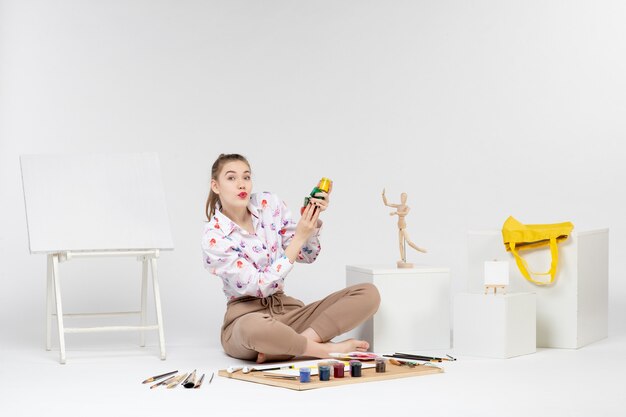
column 523, row 265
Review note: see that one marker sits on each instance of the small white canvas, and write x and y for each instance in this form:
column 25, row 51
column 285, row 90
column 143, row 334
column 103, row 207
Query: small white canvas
column 496, row 273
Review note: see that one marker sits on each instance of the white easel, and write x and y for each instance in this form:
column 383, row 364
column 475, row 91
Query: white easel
column 122, row 191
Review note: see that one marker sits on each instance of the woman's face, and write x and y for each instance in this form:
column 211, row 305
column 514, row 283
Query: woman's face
column 233, row 185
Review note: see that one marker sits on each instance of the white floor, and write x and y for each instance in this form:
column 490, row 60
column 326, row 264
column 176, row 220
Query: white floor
column 551, row 382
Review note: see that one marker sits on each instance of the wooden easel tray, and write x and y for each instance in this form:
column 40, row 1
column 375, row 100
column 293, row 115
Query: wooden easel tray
column 369, row 375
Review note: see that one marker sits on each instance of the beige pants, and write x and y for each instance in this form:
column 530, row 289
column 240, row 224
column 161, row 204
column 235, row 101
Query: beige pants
column 272, row 325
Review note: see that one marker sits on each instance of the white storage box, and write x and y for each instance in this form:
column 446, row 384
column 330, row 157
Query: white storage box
column 414, row 312
column 572, row 312
column 494, row 326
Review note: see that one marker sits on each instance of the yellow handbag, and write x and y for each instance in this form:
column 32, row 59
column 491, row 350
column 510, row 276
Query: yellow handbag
column 518, row 237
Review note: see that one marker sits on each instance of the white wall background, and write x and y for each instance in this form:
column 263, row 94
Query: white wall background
column 476, row 109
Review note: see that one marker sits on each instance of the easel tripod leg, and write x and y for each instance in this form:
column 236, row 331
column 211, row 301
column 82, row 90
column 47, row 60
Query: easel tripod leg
column 157, row 304
column 57, row 297
column 49, row 287
column 144, row 294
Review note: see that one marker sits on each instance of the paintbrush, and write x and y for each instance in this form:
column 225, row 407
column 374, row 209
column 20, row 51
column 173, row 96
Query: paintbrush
column 154, row 378
column 176, row 381
column 190, row 381
column 403, row 362
column 199, row 383
column 421, row 357
column 165, row 381
column 247, row 370
column 281, row 376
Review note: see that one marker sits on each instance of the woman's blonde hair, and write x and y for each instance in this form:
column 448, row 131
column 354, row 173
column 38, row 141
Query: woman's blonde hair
column 213, row 198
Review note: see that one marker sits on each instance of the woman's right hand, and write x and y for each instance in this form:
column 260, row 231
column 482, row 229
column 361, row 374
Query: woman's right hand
column 304, row 229
column 308, row 223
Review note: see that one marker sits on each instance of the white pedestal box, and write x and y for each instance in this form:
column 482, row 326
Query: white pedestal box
column 572, row 312
column 494, row 326
column 414, row 312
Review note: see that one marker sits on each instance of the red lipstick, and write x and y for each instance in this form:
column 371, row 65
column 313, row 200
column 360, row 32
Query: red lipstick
column 242, row 194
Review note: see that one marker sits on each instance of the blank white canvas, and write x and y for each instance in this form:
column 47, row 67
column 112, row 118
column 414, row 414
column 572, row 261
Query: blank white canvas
column 496, row 273
column 95, row 202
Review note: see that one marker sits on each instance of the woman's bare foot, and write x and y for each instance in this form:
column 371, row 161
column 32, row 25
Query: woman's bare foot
column 351, row 345
column 323, row 350
column 260, row 358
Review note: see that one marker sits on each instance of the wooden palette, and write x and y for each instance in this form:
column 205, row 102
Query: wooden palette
column 369, row 375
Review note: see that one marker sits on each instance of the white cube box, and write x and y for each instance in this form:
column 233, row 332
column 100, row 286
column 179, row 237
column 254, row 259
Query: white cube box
column 572, row 312
column 414, row 312
column 494, row 326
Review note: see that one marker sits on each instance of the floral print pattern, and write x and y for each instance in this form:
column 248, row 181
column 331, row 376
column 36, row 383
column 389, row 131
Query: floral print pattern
column 254, row 264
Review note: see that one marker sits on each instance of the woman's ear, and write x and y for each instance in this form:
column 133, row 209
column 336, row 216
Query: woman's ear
column 214, row 187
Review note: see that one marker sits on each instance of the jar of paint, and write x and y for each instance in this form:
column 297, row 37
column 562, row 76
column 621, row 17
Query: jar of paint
column 323, row 185
column 381, row 366
column 319, row 364
column 305, row 374
column 355, row 369
column 338, row 370
column 324, row 373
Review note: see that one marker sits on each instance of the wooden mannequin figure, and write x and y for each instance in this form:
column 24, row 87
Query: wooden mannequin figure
column 401, row 211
